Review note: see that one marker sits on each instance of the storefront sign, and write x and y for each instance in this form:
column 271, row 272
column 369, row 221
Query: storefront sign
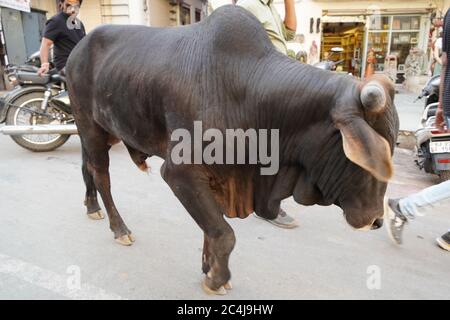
column 22, row 5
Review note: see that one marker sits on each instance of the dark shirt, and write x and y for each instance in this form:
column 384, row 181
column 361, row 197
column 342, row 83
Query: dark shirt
column 446, row 48
column 64, row 38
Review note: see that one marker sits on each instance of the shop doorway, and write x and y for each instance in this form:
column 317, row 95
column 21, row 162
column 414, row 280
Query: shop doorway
column 350, row 37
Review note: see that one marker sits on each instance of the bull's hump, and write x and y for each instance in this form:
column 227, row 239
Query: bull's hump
column 235, row 30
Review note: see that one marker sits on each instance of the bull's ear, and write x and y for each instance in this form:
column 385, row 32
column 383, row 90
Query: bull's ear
column 365, row 147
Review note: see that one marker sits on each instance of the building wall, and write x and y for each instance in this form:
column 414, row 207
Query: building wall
column 446, row 5
column 144, row 12
column 45, row 5
column 195, row 4
column 115, row 11
column 90, row 14
column 136, row 12
column 159, row 13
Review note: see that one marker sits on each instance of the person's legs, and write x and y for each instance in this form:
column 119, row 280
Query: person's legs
column 270, row 191
column 398, row 210
column 425, row 199
column 444, row 241
column 283, row 220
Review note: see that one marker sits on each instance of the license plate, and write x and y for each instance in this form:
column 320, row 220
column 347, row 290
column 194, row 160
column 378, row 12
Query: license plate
column 440, row 147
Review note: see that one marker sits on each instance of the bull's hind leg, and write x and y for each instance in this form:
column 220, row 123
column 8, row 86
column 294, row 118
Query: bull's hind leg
column 91, row 202
column 96, row 169
column 192, row 188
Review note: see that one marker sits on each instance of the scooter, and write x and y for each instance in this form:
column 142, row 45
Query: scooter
column 37, row 111
column 430, row 91
column 432, row 145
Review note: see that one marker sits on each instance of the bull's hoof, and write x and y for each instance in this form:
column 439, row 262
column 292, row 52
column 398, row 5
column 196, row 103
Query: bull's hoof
column 219, row 292
column 228, row 286
column 98, row 215
column 126, row 240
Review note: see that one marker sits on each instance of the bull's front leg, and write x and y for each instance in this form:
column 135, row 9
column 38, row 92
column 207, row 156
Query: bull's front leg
column 207, row 262
column 191, row 187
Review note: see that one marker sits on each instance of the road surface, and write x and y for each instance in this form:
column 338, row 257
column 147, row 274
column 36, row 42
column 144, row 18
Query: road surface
column 49, row 249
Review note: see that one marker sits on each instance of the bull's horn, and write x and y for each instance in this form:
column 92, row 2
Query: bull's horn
column 373, row 97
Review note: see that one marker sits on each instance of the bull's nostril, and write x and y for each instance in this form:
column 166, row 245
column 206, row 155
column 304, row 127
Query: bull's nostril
column 377, row 224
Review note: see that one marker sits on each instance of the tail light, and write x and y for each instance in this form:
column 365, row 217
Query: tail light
column 437, row 131
column 444, row 161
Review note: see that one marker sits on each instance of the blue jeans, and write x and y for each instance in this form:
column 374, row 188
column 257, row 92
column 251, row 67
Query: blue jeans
column 426, row 199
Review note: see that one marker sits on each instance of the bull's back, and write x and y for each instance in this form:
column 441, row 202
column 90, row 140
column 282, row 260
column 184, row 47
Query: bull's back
column 113, row 77
column 142, row 82
column 115, row 53
column 115, row 61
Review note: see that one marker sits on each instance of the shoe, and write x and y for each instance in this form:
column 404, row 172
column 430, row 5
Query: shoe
column 395, row 221
column 283, row 220
column 444, row 241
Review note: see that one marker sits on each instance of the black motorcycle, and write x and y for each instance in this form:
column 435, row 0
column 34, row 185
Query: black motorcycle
column 431, row 92
column 37, row 111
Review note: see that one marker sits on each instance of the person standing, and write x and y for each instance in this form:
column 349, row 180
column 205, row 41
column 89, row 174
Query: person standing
column 63, row 31
column 399, row 210
column 279, row 31
column 437, row 54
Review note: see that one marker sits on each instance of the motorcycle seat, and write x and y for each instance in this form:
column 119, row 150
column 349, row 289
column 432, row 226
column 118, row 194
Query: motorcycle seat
column 24, row 77
column 58, row 78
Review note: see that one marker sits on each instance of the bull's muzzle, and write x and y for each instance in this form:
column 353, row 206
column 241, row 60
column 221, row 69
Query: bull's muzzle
column 376, row 224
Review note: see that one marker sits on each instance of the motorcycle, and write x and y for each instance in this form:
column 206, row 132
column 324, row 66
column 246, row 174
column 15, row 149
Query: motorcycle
column 37, row 111
column 432, row 145
column 430, row 91
column 329, row 64
column 31, row 65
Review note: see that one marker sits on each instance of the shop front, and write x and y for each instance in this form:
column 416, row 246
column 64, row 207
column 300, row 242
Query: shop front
column 396, row 45
column 392, row 44
column 347, row 33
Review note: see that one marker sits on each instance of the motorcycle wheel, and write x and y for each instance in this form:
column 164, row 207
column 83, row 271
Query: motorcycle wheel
column 17, row 116
column 444, row 176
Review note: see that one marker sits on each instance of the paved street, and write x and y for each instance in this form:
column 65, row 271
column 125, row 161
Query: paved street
column 47, row 239
column 409, row 110
column 179, row 59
